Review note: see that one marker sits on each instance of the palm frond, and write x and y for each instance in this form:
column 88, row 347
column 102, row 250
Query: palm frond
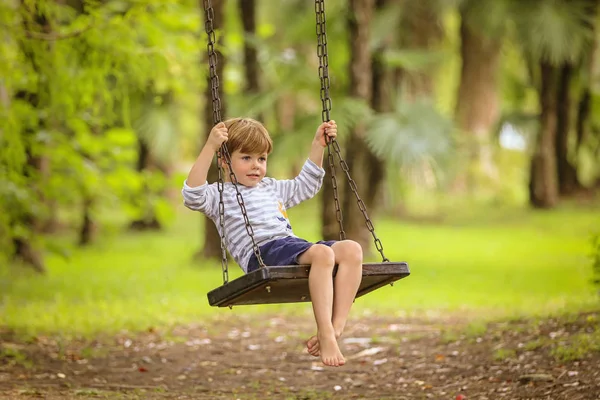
column 413, row 134
column 348, row 112
column 553, row 31
column 157, row 126
column 385, row 24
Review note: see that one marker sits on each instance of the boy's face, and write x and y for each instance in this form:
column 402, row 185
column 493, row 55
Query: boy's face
column 249, row 169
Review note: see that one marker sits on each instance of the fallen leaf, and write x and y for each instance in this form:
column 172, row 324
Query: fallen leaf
column 366, row 352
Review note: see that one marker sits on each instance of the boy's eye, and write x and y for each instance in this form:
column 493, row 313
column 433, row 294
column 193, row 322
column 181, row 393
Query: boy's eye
column 263, row 158
column 246, row 158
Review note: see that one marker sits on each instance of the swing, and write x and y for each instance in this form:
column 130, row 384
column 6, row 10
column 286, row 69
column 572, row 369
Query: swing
column 287, row 284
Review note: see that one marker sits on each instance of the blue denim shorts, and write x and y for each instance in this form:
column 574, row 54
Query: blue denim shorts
column 283, row 251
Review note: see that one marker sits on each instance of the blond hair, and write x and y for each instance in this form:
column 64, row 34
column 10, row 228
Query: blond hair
column 248, row 136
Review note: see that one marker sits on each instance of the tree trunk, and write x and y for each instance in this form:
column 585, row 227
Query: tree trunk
column 25, row 248
column 477, row 103
column 86, row 232
column 248, row 15
column 584, row 109
column 420, row 29
column 588, row 85
column 381, row 102
column 568, row 182
column 212, row 241
column 358, row 155
column 148, row 219
column 543, row 188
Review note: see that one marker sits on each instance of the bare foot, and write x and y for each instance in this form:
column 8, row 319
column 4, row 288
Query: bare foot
column 312, row 345
column 329, row 350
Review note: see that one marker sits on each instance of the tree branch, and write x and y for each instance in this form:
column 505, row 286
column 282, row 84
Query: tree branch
column 55, row 36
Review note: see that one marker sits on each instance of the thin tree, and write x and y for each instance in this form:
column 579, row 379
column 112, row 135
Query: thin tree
column 247, row 10
column 212, row 241
column 552, row 34
column 381, row 102
column 358, row 155
column 25, row 248
column 477, row 102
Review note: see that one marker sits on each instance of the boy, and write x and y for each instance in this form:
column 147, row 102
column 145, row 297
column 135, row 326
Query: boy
column 266, row 200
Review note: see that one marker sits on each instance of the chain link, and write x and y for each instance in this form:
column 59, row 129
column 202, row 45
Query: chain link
column 223, row 153
column 325, row 114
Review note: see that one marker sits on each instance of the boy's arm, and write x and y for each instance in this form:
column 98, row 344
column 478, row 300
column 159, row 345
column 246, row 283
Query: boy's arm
column 309, row 181
column 319, row 142
column 303, row 187
column 199, row 171
column 197, row 194
column 316, row 153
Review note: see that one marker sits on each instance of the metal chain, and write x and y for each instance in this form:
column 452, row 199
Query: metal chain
column 326, row 101
column 223, row 153
column 220, row 186
column 361, row 204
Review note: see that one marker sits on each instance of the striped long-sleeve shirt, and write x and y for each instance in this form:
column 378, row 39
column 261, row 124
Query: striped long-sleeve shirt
column 266, row 205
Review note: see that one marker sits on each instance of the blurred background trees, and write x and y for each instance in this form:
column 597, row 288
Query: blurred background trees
column 103, row 107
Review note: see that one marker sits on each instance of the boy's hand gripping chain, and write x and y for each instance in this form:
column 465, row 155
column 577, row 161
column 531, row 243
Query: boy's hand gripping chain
column 223, row 153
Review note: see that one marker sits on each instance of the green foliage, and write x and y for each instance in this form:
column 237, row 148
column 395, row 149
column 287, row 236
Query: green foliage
column 413, row 60
column 82, row 89
column 412, row 136
column 554, row 31
column 70, row 122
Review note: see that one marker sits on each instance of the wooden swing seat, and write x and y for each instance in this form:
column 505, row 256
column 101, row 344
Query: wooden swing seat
column 289, row 284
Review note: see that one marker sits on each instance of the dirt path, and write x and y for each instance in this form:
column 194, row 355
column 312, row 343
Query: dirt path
column 244, row 359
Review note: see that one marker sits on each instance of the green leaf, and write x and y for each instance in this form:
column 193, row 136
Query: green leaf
column 554, row 31
column 414, row 60
column 414, row 133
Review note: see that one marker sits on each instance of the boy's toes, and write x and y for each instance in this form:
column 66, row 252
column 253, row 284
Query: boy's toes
column 312, row 345
column 330, row 362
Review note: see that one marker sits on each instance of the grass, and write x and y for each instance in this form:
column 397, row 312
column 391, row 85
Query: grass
column 578, row 346
column 478, row 262
column 503, row 354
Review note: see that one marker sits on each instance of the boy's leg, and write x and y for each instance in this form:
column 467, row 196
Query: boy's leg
column 349, row 257
column 320, row 283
